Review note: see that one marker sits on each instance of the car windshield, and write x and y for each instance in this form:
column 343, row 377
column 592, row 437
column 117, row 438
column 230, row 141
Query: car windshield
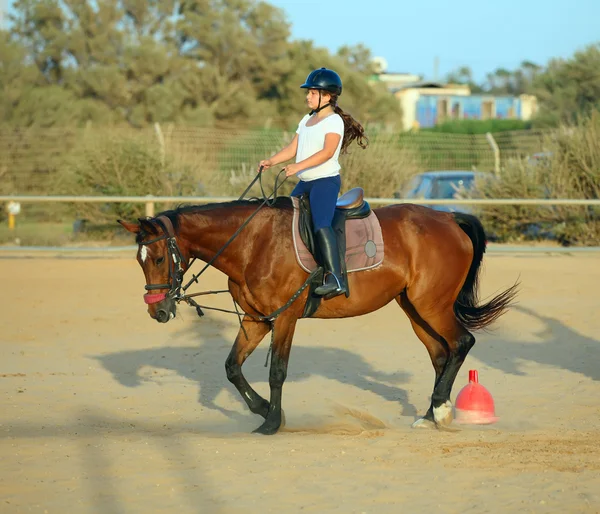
column 420, row 187
column 449, row 187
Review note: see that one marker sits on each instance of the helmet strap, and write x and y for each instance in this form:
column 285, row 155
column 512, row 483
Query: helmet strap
column 319, row 107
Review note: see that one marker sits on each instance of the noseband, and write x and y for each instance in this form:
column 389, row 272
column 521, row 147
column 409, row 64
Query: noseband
column 176, row 270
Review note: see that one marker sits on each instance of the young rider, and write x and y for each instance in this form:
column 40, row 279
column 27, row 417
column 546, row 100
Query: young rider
column 321, row 136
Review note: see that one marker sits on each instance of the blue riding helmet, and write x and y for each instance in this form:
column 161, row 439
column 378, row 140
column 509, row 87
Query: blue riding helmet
column 324, row 79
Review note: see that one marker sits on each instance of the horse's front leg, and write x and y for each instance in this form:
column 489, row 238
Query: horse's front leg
column 242, row 348
column 284, row 327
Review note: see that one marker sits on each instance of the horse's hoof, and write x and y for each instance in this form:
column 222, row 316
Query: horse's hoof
column 424, row 423
column 267, row 428
column 443, row 414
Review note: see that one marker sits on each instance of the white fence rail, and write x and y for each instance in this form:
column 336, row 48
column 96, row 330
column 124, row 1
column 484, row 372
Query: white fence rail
column 150, row 200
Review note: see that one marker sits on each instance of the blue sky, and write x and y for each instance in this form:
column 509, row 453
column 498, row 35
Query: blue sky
column 477, row 33
column 481, row 34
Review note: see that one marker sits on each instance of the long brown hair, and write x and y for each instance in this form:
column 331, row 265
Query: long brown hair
column 353, row 130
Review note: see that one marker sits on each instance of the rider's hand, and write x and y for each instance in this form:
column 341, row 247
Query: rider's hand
column 264, row 165
column 291, row 169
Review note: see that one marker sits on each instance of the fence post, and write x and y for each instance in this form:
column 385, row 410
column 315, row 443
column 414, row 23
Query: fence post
column 496, row 151
column 149, row 207
column 13, row 208
column 161, row 142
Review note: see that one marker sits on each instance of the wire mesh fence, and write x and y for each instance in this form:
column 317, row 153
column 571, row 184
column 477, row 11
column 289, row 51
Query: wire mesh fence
column 220, row 161
column 182, row 162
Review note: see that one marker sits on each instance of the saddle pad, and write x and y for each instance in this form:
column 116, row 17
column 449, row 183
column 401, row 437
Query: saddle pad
column 364, row 243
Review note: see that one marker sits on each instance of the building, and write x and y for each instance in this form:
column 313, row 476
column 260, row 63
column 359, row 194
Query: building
column 427, row 104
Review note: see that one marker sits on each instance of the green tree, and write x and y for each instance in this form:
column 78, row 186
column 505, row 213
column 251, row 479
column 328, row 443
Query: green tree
column 568, row 88
column 238, row 51
column 357, row 58
column 190, row 61
column 17, row 77
column 464, row 75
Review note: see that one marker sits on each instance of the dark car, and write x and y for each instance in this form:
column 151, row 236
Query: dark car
column 444, row 185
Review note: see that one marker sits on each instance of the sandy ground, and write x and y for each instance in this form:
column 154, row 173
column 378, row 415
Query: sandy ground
column 103, row 410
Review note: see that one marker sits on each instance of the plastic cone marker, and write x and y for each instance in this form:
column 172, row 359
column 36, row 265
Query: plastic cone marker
column 474, row 404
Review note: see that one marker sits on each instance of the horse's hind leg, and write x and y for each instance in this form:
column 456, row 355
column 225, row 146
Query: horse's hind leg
column 442, row 321
column 241, row 350
column 436, row 347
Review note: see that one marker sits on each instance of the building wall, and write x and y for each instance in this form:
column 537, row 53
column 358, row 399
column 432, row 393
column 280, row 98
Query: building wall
column 428, row 107
column 529, row 106
column 408, row 101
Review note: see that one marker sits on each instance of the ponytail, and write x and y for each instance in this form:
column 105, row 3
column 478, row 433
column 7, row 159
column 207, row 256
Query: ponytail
column 353, row 130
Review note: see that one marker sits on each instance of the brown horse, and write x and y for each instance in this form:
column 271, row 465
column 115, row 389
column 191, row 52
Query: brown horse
column 431, row 268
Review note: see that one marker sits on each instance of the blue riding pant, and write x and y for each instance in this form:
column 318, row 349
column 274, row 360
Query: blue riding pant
column 322, row 194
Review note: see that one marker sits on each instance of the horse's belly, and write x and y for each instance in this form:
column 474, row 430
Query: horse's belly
column 369, row 291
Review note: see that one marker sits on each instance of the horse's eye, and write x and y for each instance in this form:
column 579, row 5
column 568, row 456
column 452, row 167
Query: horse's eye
column 160, row 260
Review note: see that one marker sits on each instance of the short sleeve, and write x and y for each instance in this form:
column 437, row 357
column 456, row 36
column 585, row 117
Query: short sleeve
column 335, row 125
column 302, row 123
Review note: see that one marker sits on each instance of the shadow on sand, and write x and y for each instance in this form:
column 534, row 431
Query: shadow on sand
column 559, row 346
column 204, row 364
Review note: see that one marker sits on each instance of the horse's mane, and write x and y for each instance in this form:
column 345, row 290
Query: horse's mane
column 148, row 226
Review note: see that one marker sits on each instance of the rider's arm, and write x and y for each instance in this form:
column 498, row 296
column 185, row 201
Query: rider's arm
column 287, row 153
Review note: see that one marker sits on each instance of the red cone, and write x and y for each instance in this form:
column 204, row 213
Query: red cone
column 474, row 403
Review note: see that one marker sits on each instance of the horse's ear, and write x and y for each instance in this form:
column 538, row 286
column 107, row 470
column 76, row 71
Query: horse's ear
column 131, row 227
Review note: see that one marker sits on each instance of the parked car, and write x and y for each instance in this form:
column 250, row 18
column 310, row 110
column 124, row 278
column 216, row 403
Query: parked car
column 444, row 185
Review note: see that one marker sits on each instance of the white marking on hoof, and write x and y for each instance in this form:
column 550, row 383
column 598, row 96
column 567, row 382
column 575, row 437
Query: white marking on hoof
column 143, row 253
column 443, row 414
column 171, row 315
column 424, row 423
column 282, row 420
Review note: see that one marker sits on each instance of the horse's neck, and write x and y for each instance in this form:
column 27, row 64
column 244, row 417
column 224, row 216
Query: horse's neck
column 208, row 231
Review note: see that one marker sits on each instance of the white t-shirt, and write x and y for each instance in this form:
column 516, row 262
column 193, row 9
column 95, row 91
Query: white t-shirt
column 312, row 140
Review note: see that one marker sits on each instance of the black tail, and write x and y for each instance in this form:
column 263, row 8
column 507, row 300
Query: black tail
column 470, row 315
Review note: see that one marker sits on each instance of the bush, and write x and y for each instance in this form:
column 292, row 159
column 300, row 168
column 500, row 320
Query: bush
column 571, row 170
column 117, row 166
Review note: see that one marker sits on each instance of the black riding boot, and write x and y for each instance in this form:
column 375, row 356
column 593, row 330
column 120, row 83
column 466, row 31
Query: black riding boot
column 334, row 283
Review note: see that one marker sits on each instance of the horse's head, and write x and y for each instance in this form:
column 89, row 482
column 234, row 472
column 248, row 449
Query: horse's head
column 163, row 263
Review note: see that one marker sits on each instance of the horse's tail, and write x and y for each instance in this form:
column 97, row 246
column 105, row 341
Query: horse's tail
column 471, row 315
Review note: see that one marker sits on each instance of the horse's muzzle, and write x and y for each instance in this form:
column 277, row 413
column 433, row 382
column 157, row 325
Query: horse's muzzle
column 162, row 316
column 160, row 307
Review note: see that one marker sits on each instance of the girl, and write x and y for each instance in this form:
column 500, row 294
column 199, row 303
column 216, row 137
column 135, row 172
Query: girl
column 321, row 136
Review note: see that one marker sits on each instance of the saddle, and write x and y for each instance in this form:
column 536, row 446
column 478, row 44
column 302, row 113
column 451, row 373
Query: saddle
column 349, row 206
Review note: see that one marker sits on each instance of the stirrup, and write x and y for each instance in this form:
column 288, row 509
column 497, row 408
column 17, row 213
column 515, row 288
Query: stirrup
column 330, row 293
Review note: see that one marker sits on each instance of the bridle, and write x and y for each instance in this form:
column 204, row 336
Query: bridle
column 176, row 269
